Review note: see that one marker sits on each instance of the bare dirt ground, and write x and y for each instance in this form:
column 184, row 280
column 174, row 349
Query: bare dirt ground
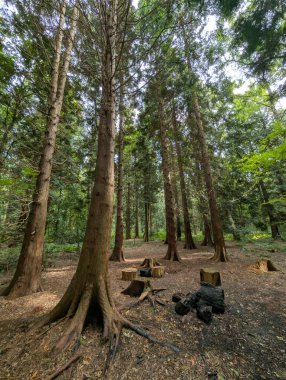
column 247, row 342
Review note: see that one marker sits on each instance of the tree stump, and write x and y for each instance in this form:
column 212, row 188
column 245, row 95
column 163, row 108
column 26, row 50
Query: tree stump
column 210, row 276
column 263, row 266
column 150, row 263
column 138, row 287
column 129, row 274
column 158, row 271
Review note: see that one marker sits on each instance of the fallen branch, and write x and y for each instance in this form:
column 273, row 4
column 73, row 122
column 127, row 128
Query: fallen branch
column 144, row 334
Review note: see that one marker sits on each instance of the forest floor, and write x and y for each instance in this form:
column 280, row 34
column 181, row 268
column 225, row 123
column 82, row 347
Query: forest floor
column 248, row 341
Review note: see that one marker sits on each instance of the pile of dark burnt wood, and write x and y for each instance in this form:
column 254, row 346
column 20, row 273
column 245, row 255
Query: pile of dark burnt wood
column 207, row 300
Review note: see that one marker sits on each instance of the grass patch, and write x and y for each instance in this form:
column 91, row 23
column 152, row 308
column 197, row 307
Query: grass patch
column 9, row 255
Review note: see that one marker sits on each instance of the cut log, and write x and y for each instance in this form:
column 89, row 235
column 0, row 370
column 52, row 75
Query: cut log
column 137, row 287
column 208, row 295
column 210, row 276
column 211, row 296
column 129, row 274
column 263, row 266
column 204, row 312
column 176, row 297
column 186, row 304
column 150, row 263
column 158, row 271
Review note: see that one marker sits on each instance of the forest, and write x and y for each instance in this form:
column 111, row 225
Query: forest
column 142, row 189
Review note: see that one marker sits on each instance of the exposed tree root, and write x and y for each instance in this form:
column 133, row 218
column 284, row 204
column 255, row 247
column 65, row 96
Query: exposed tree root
column 220, row 255
column 144, row 334
column 89, row 302
column 76, row 326
column 172, row 255
column 65, row 366
column 150, row 263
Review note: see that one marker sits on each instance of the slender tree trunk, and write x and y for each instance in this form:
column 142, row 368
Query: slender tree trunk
column 146, row 220
column 234, row 230
column 203, row 207
column 270, row 211
column 128, row 213
column 27, row 278
column 219, row 244
column 117, row 254
column 189, row 242
column 177, row 208
column 136, row 216
column 172, row 252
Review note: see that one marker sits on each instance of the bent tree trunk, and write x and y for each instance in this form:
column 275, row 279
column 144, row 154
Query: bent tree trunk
column 172, row 252
column 27, row 278
column 275, row 234
column 219, row 244
column 117, row 254
column 189, row 241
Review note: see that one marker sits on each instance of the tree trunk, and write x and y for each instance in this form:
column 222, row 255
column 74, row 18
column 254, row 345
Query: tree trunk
column 27, row 278
column 146, row 220
column 117, row 254
column 172, row 252
column 176, row 199
column 207, row 241
column 219, row 244
column 189, row 242
column 128, row 213
column 234, row 230
column 275, row 234
column 89, row 292
column 136, row 231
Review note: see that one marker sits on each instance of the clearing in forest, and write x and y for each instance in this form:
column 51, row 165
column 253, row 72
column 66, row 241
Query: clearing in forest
column 248, row 341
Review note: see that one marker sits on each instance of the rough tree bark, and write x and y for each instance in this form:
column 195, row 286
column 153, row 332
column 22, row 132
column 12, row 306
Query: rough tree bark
column 89, row 287
column 117, row 254
column 275, row 234
column 219, row 244
column 172, row 252
column 27, row 278
column 207, row 240
column 189, row 241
